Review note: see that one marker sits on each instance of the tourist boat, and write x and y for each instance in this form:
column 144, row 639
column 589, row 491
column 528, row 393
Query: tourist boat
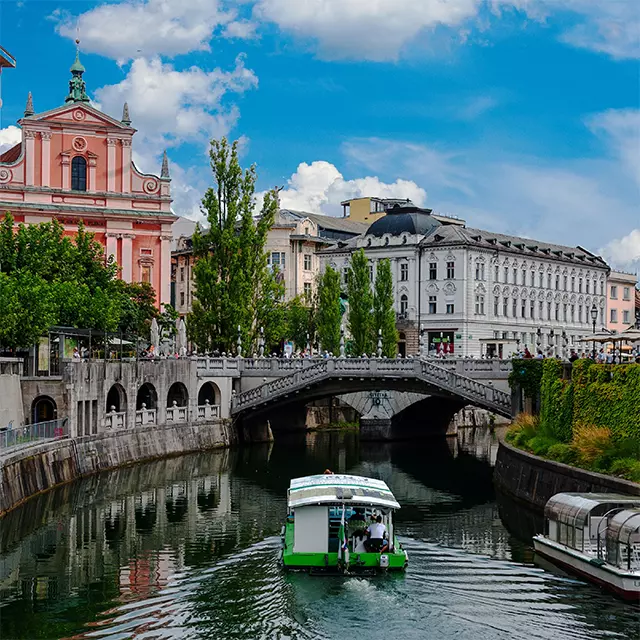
column 596, row 536
column 326, row 522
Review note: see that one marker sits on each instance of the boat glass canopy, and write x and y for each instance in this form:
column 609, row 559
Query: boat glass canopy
column 575, row 509
column 340, row 489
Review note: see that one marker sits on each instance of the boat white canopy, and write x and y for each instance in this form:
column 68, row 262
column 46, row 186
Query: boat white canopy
column 339, row 489
column 575, row 509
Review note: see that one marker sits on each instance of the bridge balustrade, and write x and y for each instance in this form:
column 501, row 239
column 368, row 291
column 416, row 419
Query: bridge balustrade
column 145, row 416
column 115, row 420
column 177, row 414
column 208, row 411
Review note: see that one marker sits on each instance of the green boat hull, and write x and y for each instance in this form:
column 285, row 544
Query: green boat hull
column 330, row 561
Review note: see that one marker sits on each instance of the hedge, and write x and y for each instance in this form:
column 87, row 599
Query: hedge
column 527, row 374
column 600, row 395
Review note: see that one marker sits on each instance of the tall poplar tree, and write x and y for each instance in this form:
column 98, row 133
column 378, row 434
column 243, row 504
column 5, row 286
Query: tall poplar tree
column 384, row 314
column 234, row 286
column 360, row 304
column 329, row 313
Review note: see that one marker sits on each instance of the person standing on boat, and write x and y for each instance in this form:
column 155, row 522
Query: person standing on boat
column 377, row 533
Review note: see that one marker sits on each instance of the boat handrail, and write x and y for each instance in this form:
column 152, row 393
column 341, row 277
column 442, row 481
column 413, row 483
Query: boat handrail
column 605, row 519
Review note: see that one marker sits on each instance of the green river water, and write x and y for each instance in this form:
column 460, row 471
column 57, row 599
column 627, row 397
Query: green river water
column 188, row 548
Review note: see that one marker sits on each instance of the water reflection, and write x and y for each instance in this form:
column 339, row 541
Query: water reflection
column 188, row 548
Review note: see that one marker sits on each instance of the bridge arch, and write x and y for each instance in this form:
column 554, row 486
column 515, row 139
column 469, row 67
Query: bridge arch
column 211, row 392
column 148, row 396
column 116, row 398
column 43, row 408
column 177, row 393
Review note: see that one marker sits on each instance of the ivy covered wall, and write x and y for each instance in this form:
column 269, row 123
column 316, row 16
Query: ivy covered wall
column 597, row 394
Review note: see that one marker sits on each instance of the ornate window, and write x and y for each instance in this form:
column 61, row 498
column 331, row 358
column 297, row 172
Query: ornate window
column 404, row 304
column 404, row 271
column 451, row 272
column 450, row 308
column 433, row 271
column 79, row 174
column 479, row 305
column 432, row 304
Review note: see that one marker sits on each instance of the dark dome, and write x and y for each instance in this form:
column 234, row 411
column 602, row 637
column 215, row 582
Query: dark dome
column 405, row 218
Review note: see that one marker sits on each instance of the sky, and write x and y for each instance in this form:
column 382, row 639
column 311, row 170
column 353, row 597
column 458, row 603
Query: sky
column 520, row 116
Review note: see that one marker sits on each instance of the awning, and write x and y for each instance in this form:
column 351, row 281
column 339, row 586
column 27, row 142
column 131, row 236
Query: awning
column 339, row 489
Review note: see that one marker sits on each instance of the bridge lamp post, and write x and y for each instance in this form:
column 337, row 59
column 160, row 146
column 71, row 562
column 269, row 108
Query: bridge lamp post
column 594, row 317
column 551, row 343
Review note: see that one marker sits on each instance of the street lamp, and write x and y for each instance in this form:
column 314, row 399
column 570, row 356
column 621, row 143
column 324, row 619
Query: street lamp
column 594, row 317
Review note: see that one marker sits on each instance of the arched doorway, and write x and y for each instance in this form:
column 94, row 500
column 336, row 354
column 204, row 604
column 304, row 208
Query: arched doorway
column 148, row 396
column 116, row 398
column 177, row 393
column 43, row 408
column 208, row 392
column 402, row 344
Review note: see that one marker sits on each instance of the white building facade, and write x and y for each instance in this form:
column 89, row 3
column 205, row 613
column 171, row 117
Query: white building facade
column 476, row 293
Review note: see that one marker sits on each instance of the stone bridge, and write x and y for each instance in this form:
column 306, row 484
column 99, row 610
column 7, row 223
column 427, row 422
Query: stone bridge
column 334, row 376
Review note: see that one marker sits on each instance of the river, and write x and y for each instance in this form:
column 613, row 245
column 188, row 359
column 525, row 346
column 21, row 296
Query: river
column 188, row 548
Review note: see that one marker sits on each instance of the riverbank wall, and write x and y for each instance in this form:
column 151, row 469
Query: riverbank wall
column 30, row 470
column 534, row 480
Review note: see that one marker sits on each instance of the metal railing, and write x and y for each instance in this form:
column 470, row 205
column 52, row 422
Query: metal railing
column 50, row 430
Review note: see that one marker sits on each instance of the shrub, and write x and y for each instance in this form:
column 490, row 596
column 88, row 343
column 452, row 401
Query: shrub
column 540, row 444
column 628, row 468
column 561, row 452
column 590, row 442
column 522, row 429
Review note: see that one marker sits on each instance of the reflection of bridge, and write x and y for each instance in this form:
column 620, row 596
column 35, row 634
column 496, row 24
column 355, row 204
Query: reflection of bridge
column 339, row 375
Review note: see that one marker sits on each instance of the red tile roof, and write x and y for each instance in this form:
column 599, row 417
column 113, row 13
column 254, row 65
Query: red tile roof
column 12, row 154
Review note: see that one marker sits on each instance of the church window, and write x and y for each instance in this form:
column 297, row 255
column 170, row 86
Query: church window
column 79, row 174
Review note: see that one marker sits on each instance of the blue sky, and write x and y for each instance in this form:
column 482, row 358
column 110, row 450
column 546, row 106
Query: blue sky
column 521, row 116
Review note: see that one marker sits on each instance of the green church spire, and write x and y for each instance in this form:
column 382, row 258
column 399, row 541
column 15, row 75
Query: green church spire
column 77, row 87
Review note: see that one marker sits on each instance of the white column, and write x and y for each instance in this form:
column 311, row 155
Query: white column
column 126, row 166
column 164, row 294
column 112, row 245
column 92, row 175
column 127, row 257
column 111, row 164
column 30, row 140
column 46, row 158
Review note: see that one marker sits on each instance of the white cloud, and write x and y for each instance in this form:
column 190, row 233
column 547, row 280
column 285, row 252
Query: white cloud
column 9, row 137
column 383, row 29
column 170, row 107
column 621, row 127
column 624, row 252
column 584, row 202
column 319, row 188
column 146, row 28
column 363, row 28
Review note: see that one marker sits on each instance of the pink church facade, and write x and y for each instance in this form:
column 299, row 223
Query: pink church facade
column 74, row 164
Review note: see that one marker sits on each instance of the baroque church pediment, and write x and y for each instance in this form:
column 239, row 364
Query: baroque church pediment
column 78, row 113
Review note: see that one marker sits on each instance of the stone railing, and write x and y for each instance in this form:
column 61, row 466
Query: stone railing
column 145, row 416
column 177, row 414
column 207, row 412
column 276, row 367
column 485, row 396
column 115, row 420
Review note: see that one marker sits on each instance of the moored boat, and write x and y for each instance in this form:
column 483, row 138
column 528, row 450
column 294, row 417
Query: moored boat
column 596, row 536
column 331, row 522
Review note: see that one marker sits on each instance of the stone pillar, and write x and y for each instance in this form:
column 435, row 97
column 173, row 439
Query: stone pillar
column 126, row 167
column 66, row 171
column 127, row 257
column 112, row 245
column 92, row 174
column 46, row 158
column 164, row 294
column 30, row 153
column 111, row 163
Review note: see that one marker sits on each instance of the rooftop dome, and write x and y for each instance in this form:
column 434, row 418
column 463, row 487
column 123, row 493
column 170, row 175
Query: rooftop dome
column 404, row 218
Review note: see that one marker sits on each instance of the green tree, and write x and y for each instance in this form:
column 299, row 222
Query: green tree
column 360, row 304
column 329, row 314
column 138, row 307
column 384, row 314
column 299, row 321
column 234, row 286
column 49, row 278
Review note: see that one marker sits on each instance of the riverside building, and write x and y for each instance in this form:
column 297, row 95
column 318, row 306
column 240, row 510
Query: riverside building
column 478, row 293
column 74, row 164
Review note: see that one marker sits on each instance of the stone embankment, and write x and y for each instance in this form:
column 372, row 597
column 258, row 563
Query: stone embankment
column 30, row 470
column 534, row 480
